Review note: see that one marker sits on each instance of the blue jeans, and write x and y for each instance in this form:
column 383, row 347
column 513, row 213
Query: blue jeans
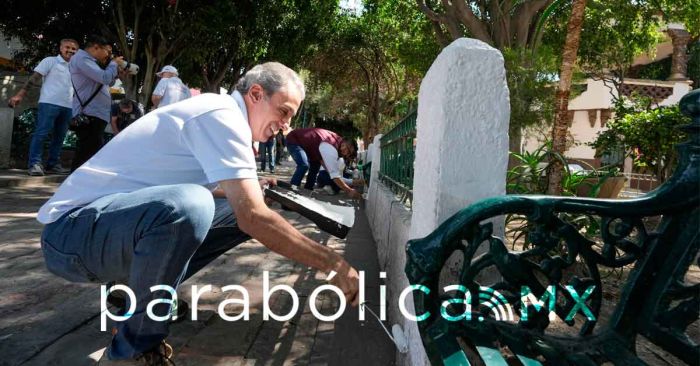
column 324, row 179
column 267, row 154
column 152, row 236
column 303, row 165
column 52, row 119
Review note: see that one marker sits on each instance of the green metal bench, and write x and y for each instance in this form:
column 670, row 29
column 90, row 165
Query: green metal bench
column 655, row 300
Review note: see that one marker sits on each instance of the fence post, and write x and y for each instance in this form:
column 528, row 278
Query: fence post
column 462, row 133
column 461, row 145
column 374, row 152
column 462, row 138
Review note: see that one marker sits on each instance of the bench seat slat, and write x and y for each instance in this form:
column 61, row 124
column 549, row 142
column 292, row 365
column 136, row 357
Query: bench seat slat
column 491, row 357
column 527, row 361
column 456, row 359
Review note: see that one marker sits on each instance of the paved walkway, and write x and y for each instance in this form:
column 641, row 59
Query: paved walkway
column 18, row 178
column 45, row 320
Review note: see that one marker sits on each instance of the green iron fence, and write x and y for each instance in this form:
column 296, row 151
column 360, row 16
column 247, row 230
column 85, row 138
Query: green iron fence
column 398, row 153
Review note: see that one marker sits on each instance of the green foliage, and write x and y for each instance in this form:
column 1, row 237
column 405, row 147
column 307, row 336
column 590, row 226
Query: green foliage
column 659, row 70
column 22, row 128
column 40, row 25
column 344, row 128
column 239, row 35
column 530, row 82
column 694, row 64
column 529, row 175
column 681, row 11
column 368, row 70
column 211, row 42
column 616, row 31
column 647, row 135
column 613, row 33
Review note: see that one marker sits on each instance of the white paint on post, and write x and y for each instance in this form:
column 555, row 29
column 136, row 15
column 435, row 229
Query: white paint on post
column 374, row 153
column 462, row 146
column 461, row 157
column 6, row 120
column 462, row 133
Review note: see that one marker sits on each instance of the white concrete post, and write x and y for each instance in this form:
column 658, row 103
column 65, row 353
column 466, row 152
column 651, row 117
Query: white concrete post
column 462, row 145
column 462, row 133
column 6, row 120
column 374, row 152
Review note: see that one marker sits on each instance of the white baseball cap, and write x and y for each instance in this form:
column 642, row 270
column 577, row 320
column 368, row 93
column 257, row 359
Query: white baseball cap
column 167, row 68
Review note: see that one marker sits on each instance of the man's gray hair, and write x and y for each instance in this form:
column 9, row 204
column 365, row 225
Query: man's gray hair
column 271, row 76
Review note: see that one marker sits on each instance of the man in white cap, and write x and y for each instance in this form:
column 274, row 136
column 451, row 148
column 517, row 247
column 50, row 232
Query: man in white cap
column 170, row 88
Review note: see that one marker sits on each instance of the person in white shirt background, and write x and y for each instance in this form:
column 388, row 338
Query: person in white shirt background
column 55, row 103
column 170, row 89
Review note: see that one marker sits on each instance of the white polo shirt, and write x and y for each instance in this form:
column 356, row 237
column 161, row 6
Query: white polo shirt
column 56, row 88
column 202, row 140
column 329, row 154
column 171, row 90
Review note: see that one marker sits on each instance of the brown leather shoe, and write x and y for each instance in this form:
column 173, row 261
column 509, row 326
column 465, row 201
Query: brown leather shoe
column 158, row 356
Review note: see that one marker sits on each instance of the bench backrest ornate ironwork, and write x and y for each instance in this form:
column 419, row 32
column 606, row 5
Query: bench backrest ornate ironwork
column 653, row 240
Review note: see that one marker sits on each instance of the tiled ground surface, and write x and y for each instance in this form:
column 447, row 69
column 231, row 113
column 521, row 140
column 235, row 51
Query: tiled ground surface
column 45, row 320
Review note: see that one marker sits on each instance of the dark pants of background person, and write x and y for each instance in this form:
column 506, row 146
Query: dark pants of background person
column 324, row 179
column 158, row 235
column 267, row 154
column 303, row 165
column 279, row 151
column 90, row 141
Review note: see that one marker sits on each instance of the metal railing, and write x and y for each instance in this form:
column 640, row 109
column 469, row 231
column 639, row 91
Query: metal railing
column 398, row 154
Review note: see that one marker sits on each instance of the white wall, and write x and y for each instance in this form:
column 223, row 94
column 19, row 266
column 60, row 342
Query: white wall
column 598, row 96
column 390, row 222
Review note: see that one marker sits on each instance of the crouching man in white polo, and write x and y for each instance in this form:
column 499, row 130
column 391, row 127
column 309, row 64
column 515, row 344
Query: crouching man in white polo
column 142, row 209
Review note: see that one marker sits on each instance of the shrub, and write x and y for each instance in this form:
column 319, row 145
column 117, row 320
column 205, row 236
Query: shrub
column 648, row 136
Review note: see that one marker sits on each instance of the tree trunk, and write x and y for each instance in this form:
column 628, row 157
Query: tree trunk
column 209, row 84
column 374, row 127
column 372, row 112
column 145, row 96
column 514, row 145
column 502, row 24
column 120, row 20
column 561, row 123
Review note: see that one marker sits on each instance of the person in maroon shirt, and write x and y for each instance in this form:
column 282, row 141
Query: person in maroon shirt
column 312, row 147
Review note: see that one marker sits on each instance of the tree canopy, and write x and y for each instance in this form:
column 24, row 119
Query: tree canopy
column 211, row 43
column 363, row 65
column 369, row 68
